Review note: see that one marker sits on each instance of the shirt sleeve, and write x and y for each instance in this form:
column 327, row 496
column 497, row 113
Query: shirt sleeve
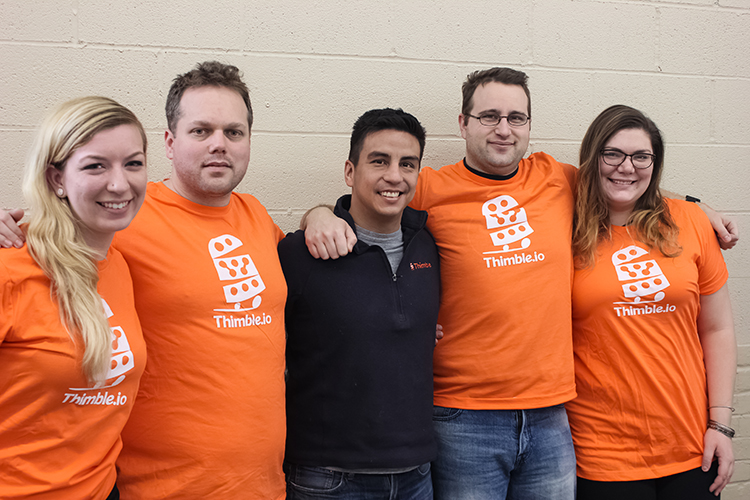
column 419, row 195
column 571, row 174
column 279, row 233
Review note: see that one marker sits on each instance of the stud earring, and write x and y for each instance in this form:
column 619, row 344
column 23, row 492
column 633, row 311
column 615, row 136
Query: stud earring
column 60, row 192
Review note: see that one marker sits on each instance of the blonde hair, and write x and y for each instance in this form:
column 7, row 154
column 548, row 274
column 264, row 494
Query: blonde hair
column 54, row 235
column 650, row 220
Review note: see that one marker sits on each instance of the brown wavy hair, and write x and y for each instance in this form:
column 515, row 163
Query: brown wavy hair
column 650, row 221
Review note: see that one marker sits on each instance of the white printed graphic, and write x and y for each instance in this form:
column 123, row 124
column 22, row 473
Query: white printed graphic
column 642, row 280
column 122, row 356
column 222, row 245
column 503, row 213
column 627, row 254
column 240, row 270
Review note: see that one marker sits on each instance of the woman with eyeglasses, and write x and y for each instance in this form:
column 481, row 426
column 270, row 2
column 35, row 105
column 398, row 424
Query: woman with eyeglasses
column 654, row 345
column 71, row 348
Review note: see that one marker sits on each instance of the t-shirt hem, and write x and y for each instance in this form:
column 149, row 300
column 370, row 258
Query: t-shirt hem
column 353, row 464
column 504, row 403
column 640, row 473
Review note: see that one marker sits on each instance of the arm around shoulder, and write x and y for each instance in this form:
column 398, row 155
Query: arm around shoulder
column 726, row 229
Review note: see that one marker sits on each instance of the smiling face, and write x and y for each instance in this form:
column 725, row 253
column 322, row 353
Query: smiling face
column 104, row 182
column 210, row 145
column 496, row 150
column 623, row 185
column 384, row 179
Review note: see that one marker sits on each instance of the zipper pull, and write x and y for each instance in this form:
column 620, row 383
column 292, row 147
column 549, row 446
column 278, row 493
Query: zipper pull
column 394, row 277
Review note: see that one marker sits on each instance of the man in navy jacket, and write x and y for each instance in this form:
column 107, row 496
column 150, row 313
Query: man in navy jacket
column 361, row 331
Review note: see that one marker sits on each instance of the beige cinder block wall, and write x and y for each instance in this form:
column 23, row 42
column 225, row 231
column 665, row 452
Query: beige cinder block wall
column 313, row 67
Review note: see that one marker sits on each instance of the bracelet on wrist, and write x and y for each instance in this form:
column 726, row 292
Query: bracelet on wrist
column 720, row 406
column 692, row 199
column 724, row 429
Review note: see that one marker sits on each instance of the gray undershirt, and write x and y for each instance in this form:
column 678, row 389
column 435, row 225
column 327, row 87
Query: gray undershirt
column 392, row 244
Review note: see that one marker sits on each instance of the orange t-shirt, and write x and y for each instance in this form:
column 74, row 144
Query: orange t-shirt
column 641, row 406
column 59, row 434
column 209, row 421
column 506, row 270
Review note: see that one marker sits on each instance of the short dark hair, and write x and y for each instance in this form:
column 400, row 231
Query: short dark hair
column 208, row 73
column 507, row 76
column 384, row 119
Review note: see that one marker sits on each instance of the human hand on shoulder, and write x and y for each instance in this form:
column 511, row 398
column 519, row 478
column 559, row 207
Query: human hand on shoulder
column 728, row 232
column 327, row 236
column 10, row 234
column 726, row 228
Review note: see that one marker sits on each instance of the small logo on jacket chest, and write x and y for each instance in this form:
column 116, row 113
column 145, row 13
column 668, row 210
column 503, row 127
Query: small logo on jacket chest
column 420, row 265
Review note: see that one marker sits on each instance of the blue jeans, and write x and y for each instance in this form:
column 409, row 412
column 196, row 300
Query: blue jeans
column 313, row 483
column 499, row 454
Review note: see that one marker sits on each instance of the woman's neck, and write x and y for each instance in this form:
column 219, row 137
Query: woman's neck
column 619, row 218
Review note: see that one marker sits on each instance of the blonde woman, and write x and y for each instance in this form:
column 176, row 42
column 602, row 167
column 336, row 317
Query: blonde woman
column 652, row 327
column 71, row 349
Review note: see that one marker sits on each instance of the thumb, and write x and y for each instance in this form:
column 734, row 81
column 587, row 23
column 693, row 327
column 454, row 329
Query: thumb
column 708, row 455
column 351, row 237
column 17, row 214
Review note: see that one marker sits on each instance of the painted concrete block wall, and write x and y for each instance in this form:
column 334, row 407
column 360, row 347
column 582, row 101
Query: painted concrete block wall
column 314, row 66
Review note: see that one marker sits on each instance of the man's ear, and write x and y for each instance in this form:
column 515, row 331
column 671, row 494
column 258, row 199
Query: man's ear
column 349, row 173
column 55, row 180
column 462, row 125
column 168, row 142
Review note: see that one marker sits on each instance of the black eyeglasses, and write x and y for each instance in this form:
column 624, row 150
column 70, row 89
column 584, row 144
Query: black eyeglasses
column 615, row 158
column 491, row 119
